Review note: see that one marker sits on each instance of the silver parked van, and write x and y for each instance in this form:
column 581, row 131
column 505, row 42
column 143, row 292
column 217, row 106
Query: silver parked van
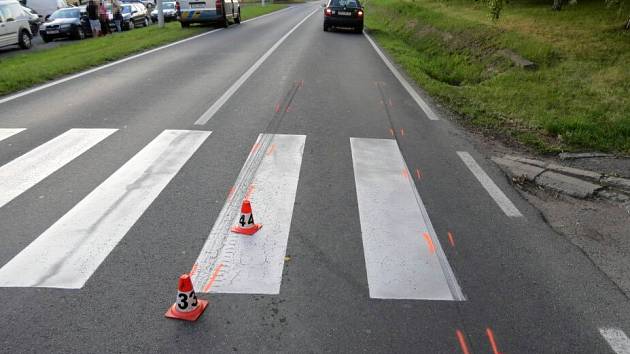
column 14, row 26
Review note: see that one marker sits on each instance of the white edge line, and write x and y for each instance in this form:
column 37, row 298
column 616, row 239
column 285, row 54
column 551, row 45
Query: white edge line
column 207, row 115
column 488, row 184
column 105, row 66
column 423, row 105
column 617, row 339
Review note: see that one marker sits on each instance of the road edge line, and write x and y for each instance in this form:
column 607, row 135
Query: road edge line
column 412, row 92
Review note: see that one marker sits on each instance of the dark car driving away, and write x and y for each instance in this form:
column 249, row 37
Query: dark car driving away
column 64, row 23
column 344, row 14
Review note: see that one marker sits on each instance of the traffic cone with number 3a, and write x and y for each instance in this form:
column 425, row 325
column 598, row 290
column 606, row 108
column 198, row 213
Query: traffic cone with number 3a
column 246, row 224
column 186, row 307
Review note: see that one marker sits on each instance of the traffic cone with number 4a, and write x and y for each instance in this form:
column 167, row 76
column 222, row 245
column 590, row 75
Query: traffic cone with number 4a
column 186, row 307
column 246, row 224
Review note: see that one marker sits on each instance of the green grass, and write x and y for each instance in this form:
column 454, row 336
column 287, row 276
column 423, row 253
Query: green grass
column 30, row 68
column 577, row 99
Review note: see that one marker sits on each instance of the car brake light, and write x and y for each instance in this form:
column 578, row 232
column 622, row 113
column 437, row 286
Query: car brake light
column 328, row 12
column 360, row 13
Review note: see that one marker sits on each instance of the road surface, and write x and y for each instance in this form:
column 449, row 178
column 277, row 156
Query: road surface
column 384, row 230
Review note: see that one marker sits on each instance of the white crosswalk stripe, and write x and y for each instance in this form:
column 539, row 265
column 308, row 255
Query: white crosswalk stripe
column 234, row 263
column 403, row 257
column 31, row 168
column 6, row 133
column 617, row 339
column 67, row 253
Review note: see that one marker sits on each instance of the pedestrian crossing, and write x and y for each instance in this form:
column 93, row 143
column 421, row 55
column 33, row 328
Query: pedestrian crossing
column 403, row 256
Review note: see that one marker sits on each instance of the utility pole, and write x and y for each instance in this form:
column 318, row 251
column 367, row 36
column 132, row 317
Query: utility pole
column 262, row 2
column 160, row 12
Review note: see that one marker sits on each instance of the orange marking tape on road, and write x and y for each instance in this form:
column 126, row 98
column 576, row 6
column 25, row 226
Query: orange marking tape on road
column 271, row 149
column 462, row 341
column 402, row 132
column 405, row 173
column 493, row 343
column 418, row 174
column 427, row 237
column 451, row 240
column 254, row 148
column 289, row 109
column 277, row 109
column 231, row 192
column 390, row 103
column 212, row 278
column 391, row 131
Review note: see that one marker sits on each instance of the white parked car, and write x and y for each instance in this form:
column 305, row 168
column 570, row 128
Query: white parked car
column 14, row 26
column 46, row 7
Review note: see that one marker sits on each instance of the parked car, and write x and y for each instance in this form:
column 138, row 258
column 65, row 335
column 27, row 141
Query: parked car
column 168, row 8
column 14, row 26
column 66, row 23
column 34, row 19
column 46, row 7
column 344, row 13
column 149, row 4
column 208, row 11
column 134, row 15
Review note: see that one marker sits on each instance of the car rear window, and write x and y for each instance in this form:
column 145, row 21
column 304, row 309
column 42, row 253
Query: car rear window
column 66, row 13
column 345, row 3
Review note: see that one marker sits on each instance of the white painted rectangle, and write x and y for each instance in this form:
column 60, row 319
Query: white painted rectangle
column 67, row 253
column 253, row 264
column 5, row 133
column 617, row 340
column 488, row 184
column 399, row 262
column 24, row 172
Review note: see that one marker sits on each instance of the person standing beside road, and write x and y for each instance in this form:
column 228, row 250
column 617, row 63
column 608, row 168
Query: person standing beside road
column 104, row 18
column 92, row 12
column 118, row 17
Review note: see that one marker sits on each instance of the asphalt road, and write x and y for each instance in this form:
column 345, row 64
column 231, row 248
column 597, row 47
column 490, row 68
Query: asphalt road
column 94, row 237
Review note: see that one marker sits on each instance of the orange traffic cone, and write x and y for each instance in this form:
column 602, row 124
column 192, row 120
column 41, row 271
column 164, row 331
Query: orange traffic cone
column 187, row 306
column 245, row 224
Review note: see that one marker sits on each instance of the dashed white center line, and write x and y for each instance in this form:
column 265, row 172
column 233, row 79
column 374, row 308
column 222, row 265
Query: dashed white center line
column 617, row 340
column 495, row 192
column 241, row 80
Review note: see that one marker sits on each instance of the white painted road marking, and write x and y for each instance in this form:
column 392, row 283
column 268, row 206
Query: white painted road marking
column 253, row 264
column 401, row 262
column 416, row 97
column 499, row 197
column 241, row 80
column 617, row 340
column 66, row 255
column 99, row 68
column 31, row 168
column 5, row 133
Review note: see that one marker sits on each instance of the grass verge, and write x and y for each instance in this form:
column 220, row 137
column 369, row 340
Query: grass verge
column 31, row 68
column 577, row 99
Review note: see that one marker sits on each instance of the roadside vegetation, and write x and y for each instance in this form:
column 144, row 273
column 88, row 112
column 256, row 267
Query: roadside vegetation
column 577, row 97
column 30, row 68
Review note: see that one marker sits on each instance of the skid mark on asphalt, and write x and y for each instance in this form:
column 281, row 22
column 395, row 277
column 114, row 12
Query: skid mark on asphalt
column 254, row 264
